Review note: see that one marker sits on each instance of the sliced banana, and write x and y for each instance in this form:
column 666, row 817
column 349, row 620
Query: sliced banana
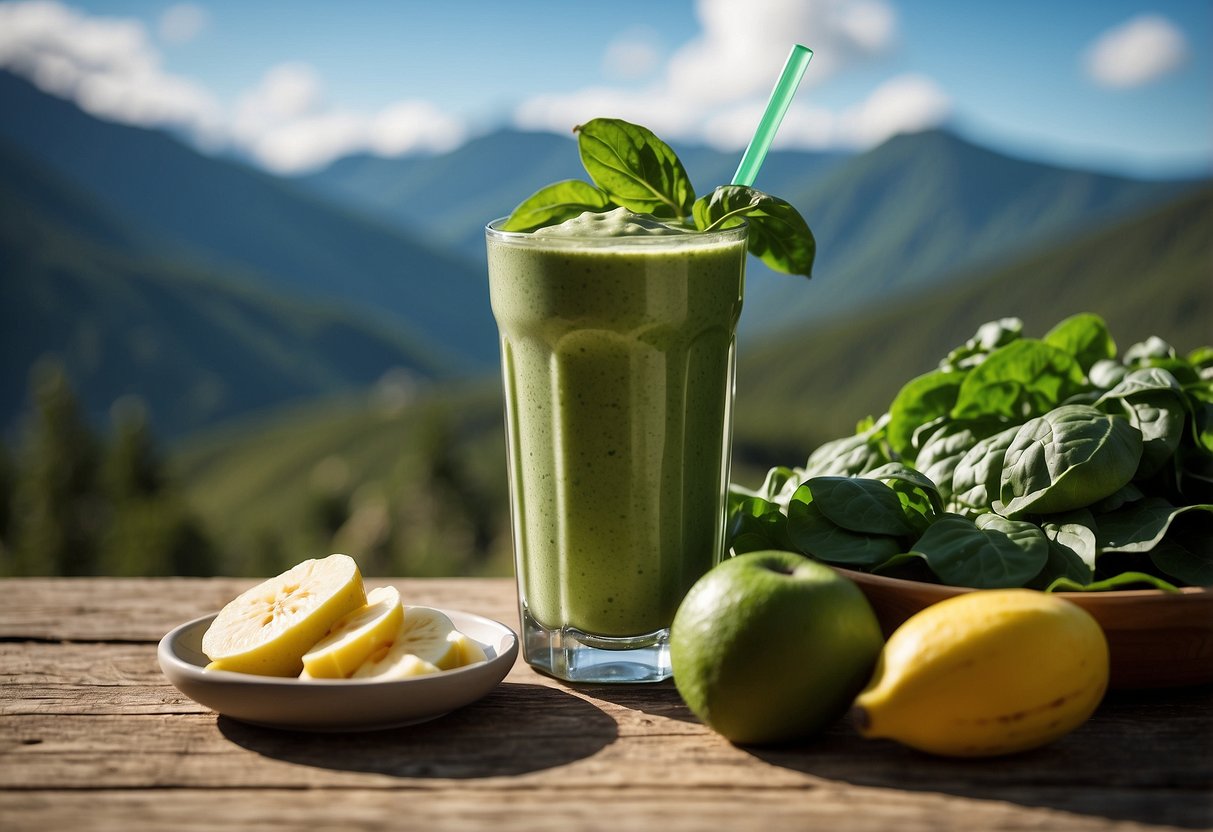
column 357, row 636
column 468, row 648
column 423, row 642
column 267, row 629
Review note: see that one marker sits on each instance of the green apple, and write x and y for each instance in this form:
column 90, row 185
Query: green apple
column 772, row 647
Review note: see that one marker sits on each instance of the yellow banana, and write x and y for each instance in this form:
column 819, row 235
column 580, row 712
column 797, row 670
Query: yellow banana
column 985, row 673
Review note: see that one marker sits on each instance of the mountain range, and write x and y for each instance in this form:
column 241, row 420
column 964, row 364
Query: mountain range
column 213, row 289
column 227, row 217
column 916, row 210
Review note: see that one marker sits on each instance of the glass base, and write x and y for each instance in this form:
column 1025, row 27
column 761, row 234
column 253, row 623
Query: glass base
column 575, row 656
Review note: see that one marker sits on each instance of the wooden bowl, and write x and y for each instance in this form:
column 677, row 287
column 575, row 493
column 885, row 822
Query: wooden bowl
column 1155, row 639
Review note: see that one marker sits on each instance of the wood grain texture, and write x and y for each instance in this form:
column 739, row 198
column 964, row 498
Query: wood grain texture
column 93, row 737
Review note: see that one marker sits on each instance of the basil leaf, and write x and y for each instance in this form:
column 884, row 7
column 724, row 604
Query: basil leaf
column 635, row 168
column 992, row 553
column 778, row 235
column 555, row 204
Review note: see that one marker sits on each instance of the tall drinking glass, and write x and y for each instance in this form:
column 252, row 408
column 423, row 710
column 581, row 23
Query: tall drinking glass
column 618, row 361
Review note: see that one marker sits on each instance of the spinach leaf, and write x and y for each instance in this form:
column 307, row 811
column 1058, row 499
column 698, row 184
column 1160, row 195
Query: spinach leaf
column 1072, row 548
column 859, row 504
column 814, row 534
column 1106, row 374
column 1186, row 559
column 1071, row 457
column 920, row 499
column 1125, row 580
column 1155, row 404
column 975, row 482
column 989, row 337
column 1145, row 352
column 1140, row 526
column 638, row 170
column 755, row 524
column 942, row 452
column 777, row 480
column 1084, row 336
column 922, row 399
column 1025, row 378
column 778, row 235
column 555, row 204
column 991, row 553
column 849, row 456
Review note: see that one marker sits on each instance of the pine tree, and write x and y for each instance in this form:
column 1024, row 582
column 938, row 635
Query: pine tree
column 150, row 531
column 57, row 515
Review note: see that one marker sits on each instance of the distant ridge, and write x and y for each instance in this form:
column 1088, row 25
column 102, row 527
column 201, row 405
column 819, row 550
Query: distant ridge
column 198, row 346
column 229, row 216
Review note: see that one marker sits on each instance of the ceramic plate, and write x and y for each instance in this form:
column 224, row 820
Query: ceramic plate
column 336, row 704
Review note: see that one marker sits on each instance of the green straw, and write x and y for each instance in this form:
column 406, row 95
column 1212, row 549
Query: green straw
column 781, row 97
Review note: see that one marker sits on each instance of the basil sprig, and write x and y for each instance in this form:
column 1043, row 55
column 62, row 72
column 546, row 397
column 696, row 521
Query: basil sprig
column 631, row 168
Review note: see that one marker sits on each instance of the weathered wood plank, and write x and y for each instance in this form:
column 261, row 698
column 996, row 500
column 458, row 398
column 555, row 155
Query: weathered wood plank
column 543, row 739
column 508, row 807
column 93, row 736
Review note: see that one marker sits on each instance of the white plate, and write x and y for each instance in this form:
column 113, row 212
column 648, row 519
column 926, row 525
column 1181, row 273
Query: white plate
column 336, row 704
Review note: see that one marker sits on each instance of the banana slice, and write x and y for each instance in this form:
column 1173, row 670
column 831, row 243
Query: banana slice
column 356, row 636
column 469, row 649
column 422, row 645
column 268, row 629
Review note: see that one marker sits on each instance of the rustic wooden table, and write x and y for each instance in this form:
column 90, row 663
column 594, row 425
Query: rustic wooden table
column 92, row 736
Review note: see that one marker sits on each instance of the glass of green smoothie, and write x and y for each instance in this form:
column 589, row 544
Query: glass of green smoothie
column 617, row 350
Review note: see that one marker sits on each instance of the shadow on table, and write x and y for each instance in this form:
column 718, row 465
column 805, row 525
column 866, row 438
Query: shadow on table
column 1144, row 757
column 660, row 699
column 516, row 729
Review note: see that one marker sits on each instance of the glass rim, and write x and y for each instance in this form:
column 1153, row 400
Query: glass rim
column 695, row 239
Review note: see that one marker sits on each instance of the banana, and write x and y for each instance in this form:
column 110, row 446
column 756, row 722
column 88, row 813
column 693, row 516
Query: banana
column 423, row 644
column 356, row 636
column 986, row 673
column 468, row 649
column 267, row 629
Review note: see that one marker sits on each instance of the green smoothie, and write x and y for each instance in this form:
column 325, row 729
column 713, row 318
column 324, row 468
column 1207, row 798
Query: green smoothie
column 617, row 339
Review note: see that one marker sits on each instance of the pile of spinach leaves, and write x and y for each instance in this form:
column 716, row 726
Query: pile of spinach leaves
column 1049, row 463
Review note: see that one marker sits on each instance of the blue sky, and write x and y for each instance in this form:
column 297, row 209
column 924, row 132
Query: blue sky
column 1105, row 83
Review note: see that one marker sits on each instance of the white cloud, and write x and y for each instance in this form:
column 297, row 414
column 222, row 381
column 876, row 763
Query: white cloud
column 715, row 88
column 743, row 45
column 183, row 23
column 107, row 65
column 112, row 69
column 636, row 53
column 1137, row 52
column 287, row 124
column 905, row 104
